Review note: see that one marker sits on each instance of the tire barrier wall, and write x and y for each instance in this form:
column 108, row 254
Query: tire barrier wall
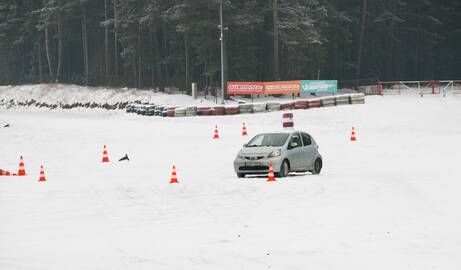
column 327, row 101
column 52, row 106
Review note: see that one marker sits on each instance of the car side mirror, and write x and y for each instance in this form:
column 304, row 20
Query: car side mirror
column 293, row 144
column 245, row 145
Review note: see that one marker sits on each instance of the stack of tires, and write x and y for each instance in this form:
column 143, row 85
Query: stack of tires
column 314, row 103
column 259, row 107
column 273, row 106
column 246, row 108
column 159, row 110
column 232, row 110
column 287, row 120
column 141, row 109
column 357, row 98
column 191, row 111
column 130, row 108
column 287, row 106
column 218, row 110
column 328, row 101
column 301, row 104
column 170, row 111
column 342, row 100
column 180, row 112
column 150, row 110
column 205, row 111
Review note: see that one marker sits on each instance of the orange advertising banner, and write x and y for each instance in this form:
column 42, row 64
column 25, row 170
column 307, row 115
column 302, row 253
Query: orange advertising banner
column 245, row 88
column 282, row 87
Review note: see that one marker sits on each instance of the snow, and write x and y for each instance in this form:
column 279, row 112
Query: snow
column 388, row 201
column 70, row 94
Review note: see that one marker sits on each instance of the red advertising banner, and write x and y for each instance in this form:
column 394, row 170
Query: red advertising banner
column 245, row 88
column 282, row 87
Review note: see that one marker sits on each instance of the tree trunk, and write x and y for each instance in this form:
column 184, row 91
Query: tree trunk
column 276, row 39
column 115, row 43
column 58, row 71
column 85, row 44
column 135, row 80
column 48, row 54
column 186, row 55
column 106, row 40
column 139, row 56
column 391, row 46
column 152, row 65
column 40, row 71
column 362, row 33
column 418, row 45
column 165, row 54
column 158, row 69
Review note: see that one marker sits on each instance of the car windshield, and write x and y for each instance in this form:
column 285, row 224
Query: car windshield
column 274, row 139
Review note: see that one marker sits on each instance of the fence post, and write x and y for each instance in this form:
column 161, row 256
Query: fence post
column 380, row 88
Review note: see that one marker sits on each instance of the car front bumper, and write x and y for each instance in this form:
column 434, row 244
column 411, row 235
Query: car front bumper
column 262, row 167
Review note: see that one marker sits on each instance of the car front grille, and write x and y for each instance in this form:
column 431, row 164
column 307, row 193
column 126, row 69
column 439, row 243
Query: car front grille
column 253, row 168
column 254, row 157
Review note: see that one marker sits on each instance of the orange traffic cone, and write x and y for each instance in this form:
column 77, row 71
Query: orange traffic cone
column 174, row 178
column 216, row 136
column 42, row 175
column 270, row 176
column 105, row 157
column 244, row 130
column 21, row 170
column 353, row 138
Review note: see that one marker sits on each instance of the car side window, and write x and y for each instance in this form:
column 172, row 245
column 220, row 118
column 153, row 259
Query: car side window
column 295, row 139
column 306, row 139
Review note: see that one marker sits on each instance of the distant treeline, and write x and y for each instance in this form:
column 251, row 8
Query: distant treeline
column 159, row 43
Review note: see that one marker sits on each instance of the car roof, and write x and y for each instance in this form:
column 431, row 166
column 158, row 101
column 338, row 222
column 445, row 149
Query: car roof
column 284, row 131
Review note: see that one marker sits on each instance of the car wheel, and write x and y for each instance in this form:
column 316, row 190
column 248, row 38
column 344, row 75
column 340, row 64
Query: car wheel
column 317, row 166
column 240, row 175
column 284, row 169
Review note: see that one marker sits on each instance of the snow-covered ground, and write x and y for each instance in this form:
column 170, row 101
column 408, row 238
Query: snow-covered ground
column 391, row 200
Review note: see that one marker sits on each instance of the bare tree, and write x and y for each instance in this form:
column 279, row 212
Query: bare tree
column 362, row 33
column 276, row 38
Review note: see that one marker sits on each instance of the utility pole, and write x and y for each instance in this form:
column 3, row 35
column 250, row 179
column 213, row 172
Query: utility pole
column 222, row 50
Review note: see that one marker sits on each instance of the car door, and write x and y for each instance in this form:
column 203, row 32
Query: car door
column 308, row 151
column 295, row 154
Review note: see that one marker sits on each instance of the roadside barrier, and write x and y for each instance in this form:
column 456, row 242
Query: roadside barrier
column 301, row 105
column 328, row 101
column 273, row 106
column 245, row 108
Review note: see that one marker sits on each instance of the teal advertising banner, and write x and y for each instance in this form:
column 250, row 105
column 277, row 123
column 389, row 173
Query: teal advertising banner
column 319, row 87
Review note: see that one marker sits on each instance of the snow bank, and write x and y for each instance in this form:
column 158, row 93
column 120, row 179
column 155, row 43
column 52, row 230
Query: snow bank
column 70, row 96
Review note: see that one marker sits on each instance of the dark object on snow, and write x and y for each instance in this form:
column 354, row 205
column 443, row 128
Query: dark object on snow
column 124, row 158
column 7, row 125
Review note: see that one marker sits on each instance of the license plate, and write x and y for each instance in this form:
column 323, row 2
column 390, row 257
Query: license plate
column 252, row 164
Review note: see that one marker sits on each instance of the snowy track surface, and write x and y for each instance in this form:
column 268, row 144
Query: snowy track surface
column 391, row 200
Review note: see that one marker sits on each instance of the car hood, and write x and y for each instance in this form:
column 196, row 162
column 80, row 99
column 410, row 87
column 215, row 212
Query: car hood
column 265, row 150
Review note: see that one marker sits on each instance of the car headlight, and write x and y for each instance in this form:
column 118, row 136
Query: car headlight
column 240, row 156
column 275, row 153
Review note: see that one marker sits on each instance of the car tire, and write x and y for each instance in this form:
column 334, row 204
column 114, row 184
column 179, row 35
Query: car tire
column 240, row 175
column 284, row 169
column 317, row 166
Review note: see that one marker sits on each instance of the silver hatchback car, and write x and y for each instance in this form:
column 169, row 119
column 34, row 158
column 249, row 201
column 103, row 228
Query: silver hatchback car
column 288, row 151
